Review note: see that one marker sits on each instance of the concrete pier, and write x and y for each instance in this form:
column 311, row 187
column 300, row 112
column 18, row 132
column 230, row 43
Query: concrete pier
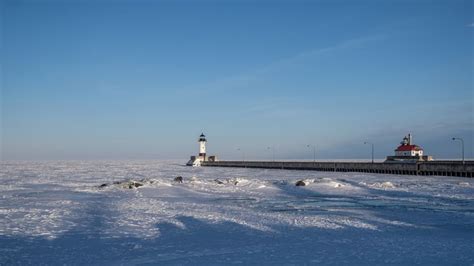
column 438, row 168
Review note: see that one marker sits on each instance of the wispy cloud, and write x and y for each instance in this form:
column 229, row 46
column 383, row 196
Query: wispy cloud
column 275, row 107
column 470, row 25
column 231, row 82
column 344, row 45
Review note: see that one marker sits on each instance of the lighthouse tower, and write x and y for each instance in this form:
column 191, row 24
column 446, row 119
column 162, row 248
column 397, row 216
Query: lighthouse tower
column 202, row 157
column 202, row 147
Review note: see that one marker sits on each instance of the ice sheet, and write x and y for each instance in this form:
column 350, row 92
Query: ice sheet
column 54, row 212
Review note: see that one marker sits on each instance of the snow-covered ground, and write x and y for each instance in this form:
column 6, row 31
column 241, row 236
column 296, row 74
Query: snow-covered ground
column 55, row 213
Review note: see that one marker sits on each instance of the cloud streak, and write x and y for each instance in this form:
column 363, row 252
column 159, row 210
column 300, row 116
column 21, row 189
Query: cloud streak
column 230, row 82
column 347, row 44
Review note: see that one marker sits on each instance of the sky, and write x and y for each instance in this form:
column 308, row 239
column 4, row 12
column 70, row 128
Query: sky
column 110, row 79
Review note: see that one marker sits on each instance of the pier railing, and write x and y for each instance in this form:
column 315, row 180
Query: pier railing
column 438, row 168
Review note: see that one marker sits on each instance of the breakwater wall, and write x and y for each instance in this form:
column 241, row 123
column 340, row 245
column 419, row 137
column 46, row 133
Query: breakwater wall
column 438, row 168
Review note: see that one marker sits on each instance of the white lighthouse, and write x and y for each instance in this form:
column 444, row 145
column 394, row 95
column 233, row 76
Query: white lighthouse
column 202, row 147
column 202, row 156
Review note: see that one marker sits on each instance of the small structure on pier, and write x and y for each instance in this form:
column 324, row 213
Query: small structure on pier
column 196, row 160
column 408, row 152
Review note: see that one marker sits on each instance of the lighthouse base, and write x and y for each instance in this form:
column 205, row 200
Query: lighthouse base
column 412, row 159
column 196, row 160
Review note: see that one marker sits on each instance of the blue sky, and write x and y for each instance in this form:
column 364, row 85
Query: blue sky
column 142, row 79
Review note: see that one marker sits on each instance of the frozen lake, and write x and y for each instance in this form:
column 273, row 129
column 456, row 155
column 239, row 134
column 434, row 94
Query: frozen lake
column 55, row 213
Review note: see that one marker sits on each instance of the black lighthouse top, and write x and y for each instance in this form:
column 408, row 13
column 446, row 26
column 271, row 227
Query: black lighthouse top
column 202, row 138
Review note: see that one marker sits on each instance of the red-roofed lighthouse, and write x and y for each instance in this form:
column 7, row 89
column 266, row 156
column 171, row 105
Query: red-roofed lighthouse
column 408, row 152
column 407, row 148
